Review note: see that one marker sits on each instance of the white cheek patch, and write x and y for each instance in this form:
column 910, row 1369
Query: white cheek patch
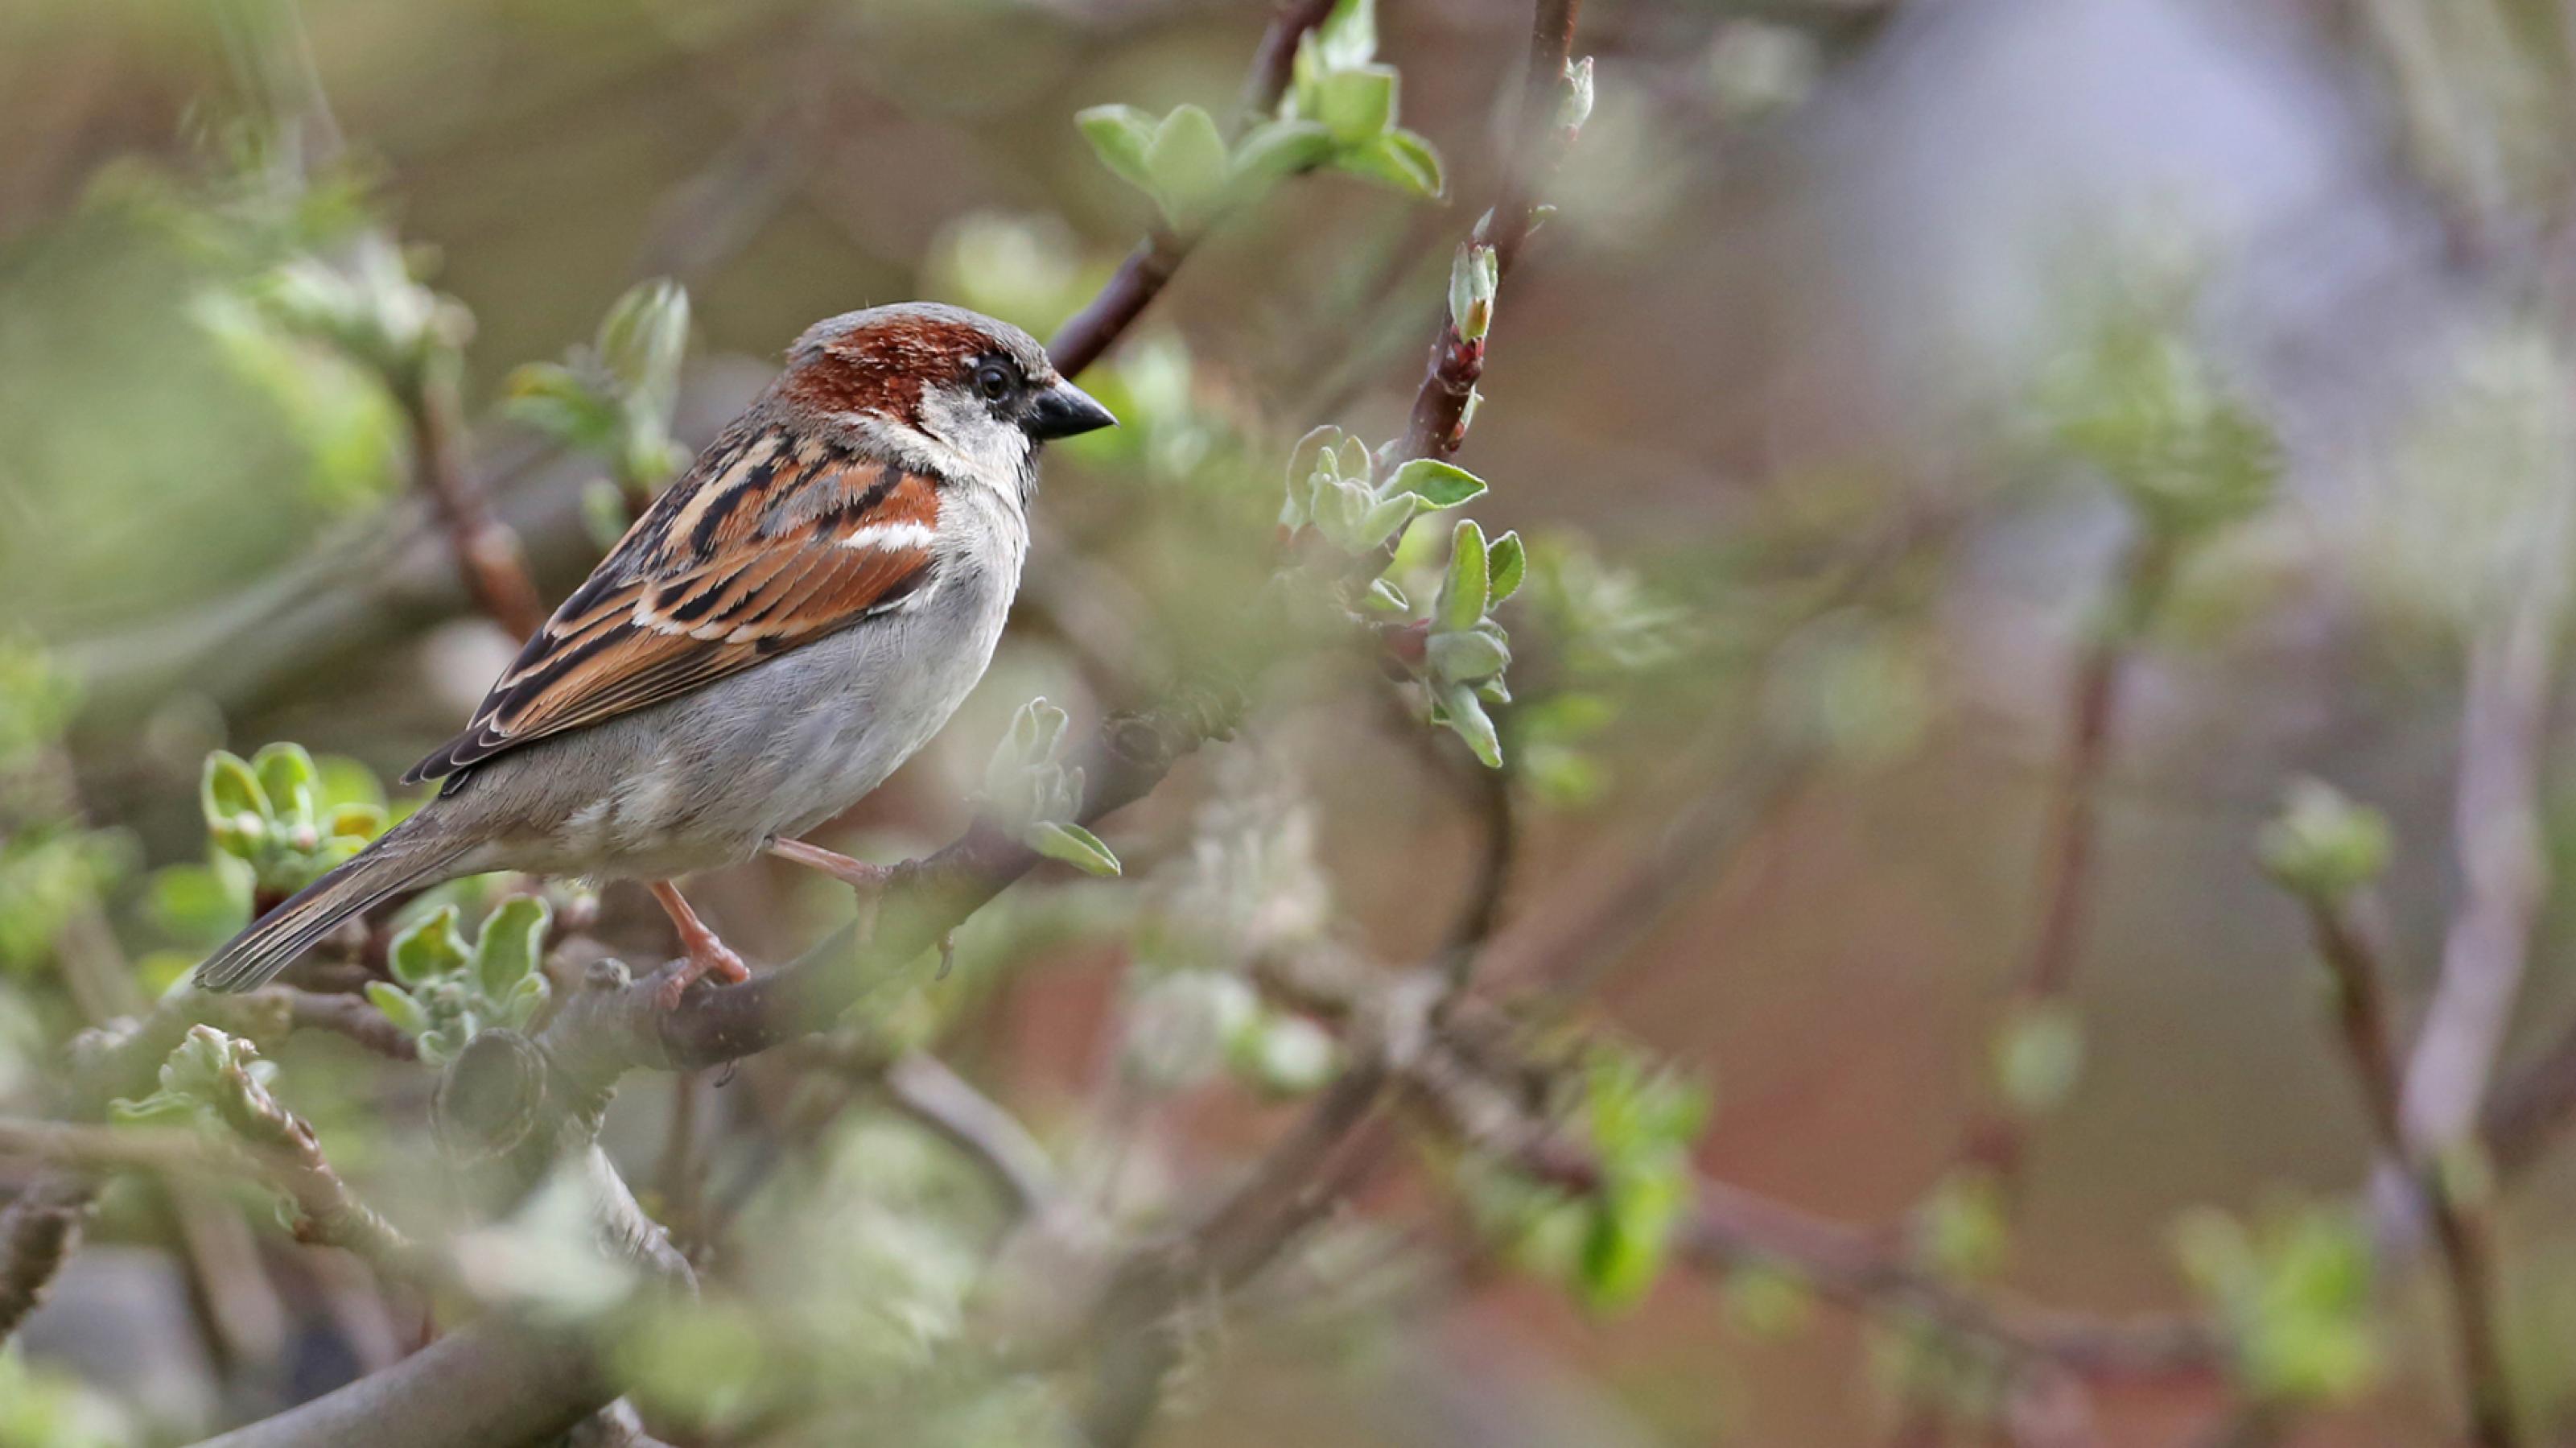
column 889, row 536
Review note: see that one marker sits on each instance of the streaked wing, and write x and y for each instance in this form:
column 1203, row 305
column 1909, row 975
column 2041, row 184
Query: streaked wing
column 769, row 544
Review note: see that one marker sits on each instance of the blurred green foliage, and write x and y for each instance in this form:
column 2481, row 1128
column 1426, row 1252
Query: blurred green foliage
column 444, row 991
column 2294, row 1287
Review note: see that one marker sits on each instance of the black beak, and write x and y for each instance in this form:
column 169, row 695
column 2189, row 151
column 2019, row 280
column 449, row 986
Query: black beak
column 1064, row 410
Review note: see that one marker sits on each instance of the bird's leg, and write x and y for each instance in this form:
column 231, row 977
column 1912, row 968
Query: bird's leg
column 869, row 881
column 859, row 875
column 702, row 953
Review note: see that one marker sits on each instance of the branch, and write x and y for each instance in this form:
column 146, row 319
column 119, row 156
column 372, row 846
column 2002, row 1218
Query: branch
column 2503, row 876
column 1998, row 1139
column 346, row 1015
column 1732, row 1226
column 327, row 1212
column 1149, row 268
column 1469, row 1073
column 2348, row 933
column 39, row 1231
column 972, row 1122
column 1441, row 405
column 493, row 1381
column 487, row 552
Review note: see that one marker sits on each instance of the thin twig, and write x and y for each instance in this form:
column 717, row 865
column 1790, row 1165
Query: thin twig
column 1998, row 1138
column 1441, row 405
column 487, row 551
column 2348, row 933
column 1149, row 268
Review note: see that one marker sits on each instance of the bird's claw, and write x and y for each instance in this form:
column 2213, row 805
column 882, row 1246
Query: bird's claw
column 710, row 958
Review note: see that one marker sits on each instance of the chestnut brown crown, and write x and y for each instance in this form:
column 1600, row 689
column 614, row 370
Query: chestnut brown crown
column 882, row 360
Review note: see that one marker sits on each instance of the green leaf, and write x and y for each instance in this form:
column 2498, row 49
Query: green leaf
column 287, row 778
column 1442, row 485
column 1317, row 449
column 560, row 403
column 1468, row 655
column 1575, row 107
column 603, row 513
column 1632, row 1227
column 1383, row 594
column 1281, row 148
column 644, row 337
column 512, row 943
column 1187, row 161
column 1473, row 725
column 2039, row 1055
column 1398, row 158
column 1506, row 564
column 1075, row 846
column 428, row 950
column 2323, row 846
column 397, row 1006
column 438, row 1047
column 1466, row 586
column 230, row 794
column 1474, row 276
column 1385, row 516
column 1119, row 136
column 525, row 999
column 1357, row 104
column 1960, row 1228
column 1348, row 36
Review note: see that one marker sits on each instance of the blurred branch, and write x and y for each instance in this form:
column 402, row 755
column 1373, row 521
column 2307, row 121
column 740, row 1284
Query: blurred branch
column 1848, row 1265
column 487, row 552
column 1565, row 949
column 1149, row 268
column 2348, row 934
column 1497, row 841
column 277, row 1148
column 1998, row 1139
column 348, row 1016
column 1287, row 1191
column 680, row 1179
column 494, row 1381
column 39, row 1230
column 2503, row 876
column 947, row 1103
column 2529, row 1111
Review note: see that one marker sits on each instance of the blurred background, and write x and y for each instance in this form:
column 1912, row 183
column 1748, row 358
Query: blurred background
column 1974, row 455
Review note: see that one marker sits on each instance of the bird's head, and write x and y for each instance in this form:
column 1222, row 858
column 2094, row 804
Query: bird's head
column 955, row 390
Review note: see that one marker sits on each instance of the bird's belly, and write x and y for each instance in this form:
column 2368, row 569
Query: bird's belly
column 706, row 780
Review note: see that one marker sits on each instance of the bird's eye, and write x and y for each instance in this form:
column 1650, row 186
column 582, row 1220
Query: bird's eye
column 995, row 381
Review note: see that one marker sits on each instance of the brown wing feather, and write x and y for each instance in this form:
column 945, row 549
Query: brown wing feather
column 767, row 545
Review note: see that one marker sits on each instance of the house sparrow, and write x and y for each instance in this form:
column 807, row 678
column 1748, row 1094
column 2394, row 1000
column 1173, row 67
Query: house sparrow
column 788, row 623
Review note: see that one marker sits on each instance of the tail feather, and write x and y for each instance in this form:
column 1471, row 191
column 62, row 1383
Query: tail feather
column 274, row 941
